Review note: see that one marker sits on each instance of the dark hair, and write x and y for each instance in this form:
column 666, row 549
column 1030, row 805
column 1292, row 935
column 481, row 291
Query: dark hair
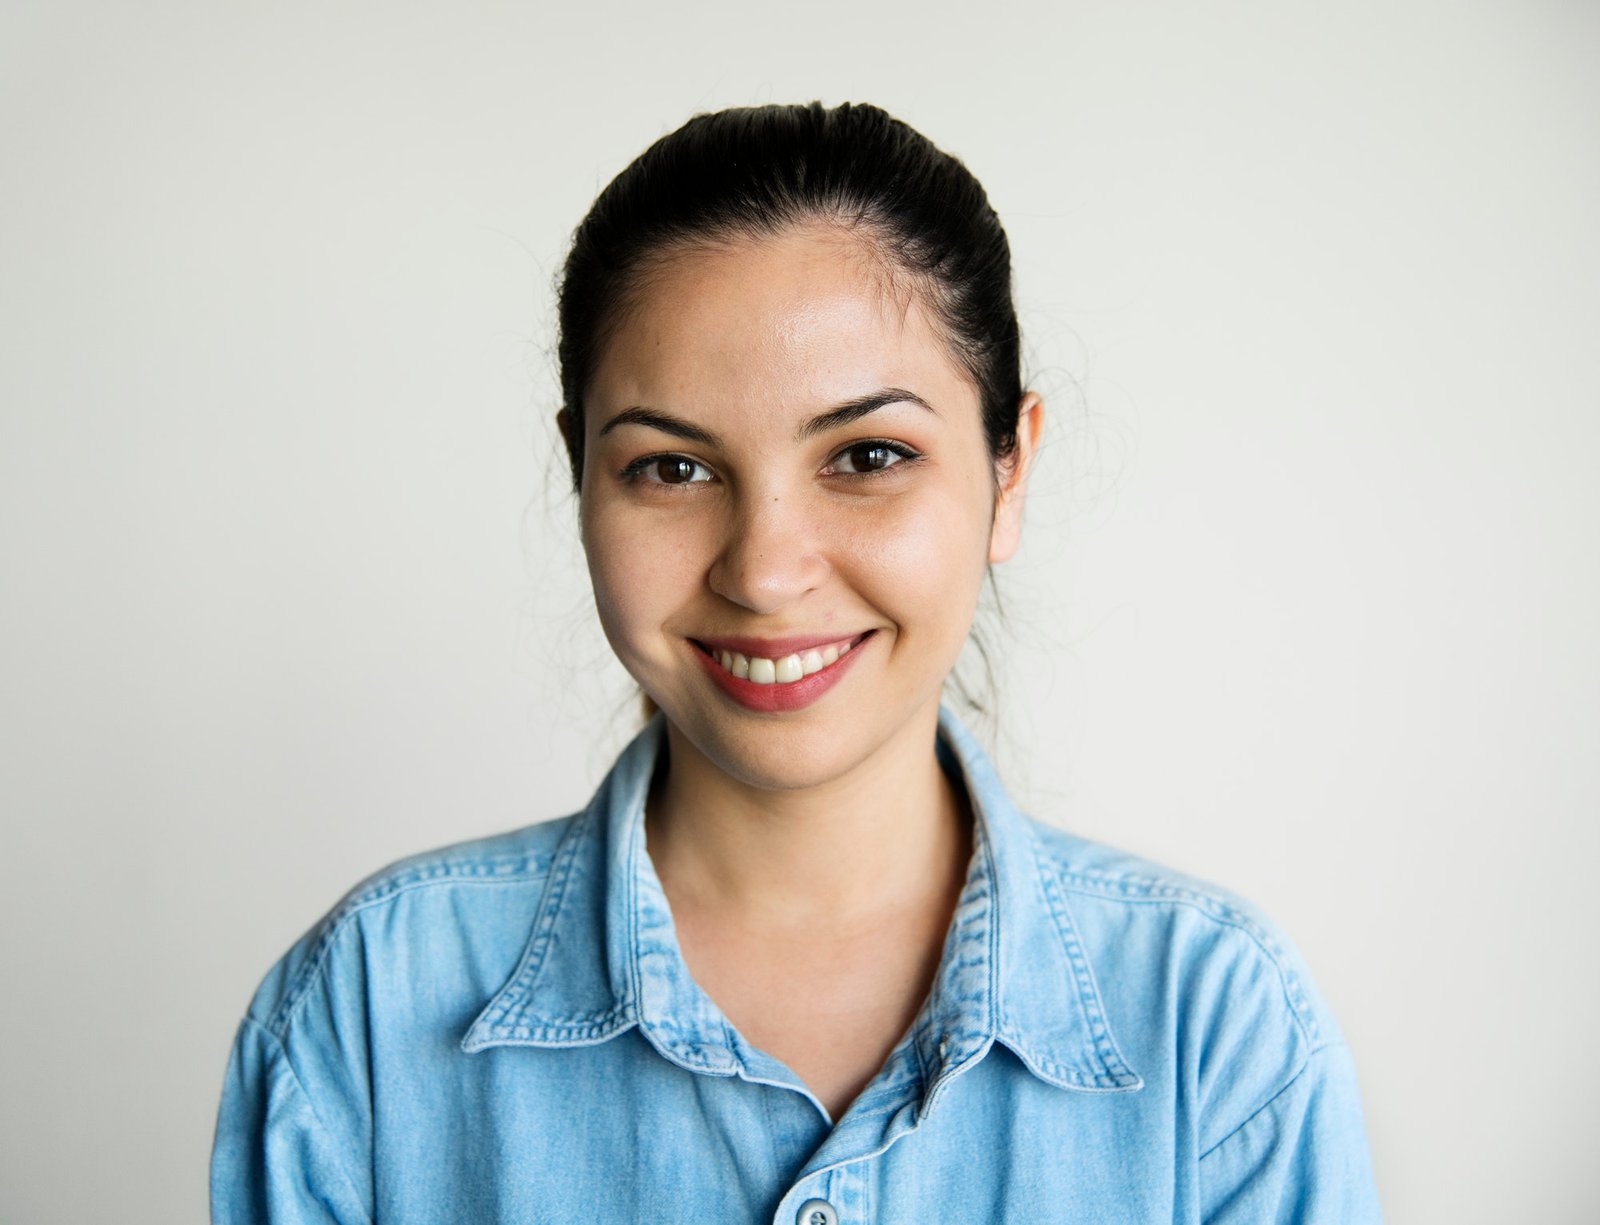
column 752, row 171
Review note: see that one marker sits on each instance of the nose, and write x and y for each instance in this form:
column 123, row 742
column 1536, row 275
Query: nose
column 770, row 557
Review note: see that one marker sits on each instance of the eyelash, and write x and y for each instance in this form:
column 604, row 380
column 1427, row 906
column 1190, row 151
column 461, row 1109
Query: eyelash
column 634, row 471
column 906, row 454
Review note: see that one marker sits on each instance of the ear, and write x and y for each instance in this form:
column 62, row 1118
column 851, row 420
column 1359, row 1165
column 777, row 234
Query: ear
column 1005, row 533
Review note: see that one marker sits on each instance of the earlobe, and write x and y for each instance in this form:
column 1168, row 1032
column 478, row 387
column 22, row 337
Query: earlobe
column 1006, row 533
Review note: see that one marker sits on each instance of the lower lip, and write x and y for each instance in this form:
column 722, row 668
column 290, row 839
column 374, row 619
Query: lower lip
column 775, row 697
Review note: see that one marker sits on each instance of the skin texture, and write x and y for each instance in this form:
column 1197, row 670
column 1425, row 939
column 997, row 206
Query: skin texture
column 812, row 858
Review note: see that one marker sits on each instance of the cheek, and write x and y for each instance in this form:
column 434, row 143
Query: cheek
column 635, row 580
column 620, row 570
column 921, row 557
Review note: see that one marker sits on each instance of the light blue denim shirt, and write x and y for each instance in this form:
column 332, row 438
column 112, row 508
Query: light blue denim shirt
column 506, row 1031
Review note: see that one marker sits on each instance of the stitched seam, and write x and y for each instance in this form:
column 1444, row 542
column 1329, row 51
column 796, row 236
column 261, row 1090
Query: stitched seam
column 993, row 920
column 1271, row 1101
column 340, row 920
column 512, row 1000
column 630, row 911
column 597, row 1025
column 311, row 1107
column 1112, row 1065
column 1149, row 890
column 1049, row 1069
column 935, row 1080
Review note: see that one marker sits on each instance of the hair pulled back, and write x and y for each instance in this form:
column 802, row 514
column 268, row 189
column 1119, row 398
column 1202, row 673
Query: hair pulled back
column 749, row 172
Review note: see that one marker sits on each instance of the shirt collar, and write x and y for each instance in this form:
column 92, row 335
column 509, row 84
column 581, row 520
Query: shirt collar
column 1014, row 969
column 603, row 957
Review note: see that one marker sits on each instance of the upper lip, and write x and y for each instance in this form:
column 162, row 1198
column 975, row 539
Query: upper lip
column 776, row 648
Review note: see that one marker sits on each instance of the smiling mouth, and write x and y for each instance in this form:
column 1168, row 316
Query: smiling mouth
column 784, row 669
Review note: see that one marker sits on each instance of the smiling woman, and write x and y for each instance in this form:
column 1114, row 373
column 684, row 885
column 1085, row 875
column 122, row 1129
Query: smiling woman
column 800, row 960
column 836, row 490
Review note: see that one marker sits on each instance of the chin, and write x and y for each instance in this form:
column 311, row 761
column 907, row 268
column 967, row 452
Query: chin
column 790, row 752
column 772, row 753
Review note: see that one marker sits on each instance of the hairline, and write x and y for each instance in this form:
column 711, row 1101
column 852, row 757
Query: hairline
column 868, row 237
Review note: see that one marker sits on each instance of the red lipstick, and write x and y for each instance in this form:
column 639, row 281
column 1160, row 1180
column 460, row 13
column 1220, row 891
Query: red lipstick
column 776, row 697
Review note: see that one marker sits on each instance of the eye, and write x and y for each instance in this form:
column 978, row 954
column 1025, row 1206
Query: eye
column 666, row 470
column 869, row 456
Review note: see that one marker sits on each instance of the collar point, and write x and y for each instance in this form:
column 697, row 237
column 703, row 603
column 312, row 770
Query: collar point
column 514, row 1029
column 1088, row 1069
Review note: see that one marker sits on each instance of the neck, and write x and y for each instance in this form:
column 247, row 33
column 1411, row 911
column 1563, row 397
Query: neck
column 891, row 833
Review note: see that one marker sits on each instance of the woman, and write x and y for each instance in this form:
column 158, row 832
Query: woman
column 800, row 960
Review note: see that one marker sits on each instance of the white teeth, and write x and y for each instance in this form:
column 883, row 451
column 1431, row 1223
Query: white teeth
column 783, row 671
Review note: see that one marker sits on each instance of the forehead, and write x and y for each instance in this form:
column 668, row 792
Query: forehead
column 806, row 317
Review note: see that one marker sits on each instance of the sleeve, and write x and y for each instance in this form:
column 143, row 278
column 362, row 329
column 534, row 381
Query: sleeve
column 1301, row 1159
column 273, row 1162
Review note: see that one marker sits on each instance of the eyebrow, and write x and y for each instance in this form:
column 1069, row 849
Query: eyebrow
column 854, row 410
column 655, row 419
column 843, row 414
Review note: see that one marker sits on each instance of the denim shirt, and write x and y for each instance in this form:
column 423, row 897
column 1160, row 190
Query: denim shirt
column 506, row 1031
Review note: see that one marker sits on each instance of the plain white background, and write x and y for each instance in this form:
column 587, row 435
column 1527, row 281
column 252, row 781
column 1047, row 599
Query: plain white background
column 1307, row 604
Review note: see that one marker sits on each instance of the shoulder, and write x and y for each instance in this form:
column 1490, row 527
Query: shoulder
column 466, row 903
column 1204, row 992
column 1191, row 922
column 1155, row 910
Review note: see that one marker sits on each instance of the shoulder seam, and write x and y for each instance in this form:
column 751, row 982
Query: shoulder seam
column 495, row 870
column 282, row 1056
column 1144, row 890
column 1289, row 1084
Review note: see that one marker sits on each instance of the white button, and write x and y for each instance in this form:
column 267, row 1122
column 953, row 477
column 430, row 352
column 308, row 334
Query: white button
column 817, row 1212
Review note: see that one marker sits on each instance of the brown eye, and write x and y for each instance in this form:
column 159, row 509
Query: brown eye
column 864, row 457
column 869, row 459
column 666, row 470
column 674, row 470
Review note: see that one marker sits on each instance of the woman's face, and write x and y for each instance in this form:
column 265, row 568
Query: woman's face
column 785, row 477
